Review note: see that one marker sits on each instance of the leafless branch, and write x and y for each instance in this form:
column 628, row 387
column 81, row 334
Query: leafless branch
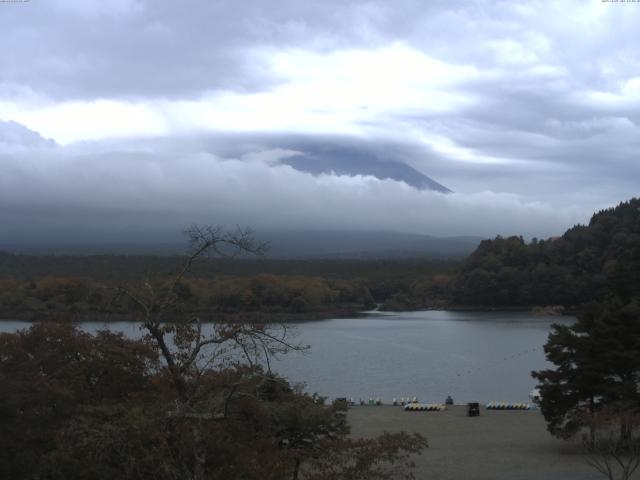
column 613, row 446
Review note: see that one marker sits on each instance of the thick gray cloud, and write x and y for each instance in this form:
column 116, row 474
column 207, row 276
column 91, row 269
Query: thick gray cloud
column 107, row 48
column 178, row 111
column 132, row 190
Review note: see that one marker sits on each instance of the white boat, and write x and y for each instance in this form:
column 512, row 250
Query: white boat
column 535, row 396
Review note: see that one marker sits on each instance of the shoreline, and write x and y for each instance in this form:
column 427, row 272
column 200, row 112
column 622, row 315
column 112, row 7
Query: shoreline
column 541, row 310
column 282, row 317
column 246, row 317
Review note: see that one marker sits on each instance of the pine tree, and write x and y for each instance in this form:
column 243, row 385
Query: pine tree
column 597, row 363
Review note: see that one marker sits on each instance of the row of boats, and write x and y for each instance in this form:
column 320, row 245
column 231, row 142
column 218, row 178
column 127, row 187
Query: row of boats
column 414, row 404
column 507, row 406
column 425, row 407
column 439, row 407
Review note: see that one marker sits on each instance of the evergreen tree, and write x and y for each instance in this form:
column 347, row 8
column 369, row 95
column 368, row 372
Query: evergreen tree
column 587, row 263
column 597, row 363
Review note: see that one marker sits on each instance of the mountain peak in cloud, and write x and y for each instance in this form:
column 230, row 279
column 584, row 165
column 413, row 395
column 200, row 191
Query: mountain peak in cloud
column 354, row 163
column 15, row 134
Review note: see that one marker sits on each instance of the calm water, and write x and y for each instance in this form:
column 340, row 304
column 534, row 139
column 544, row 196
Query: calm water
column 430, row 354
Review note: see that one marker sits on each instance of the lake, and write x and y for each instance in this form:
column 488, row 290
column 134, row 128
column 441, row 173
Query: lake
column 472, row 356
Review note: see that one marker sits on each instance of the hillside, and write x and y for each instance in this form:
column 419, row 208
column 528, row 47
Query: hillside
column 588, row 262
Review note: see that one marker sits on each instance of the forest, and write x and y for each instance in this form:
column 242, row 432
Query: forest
column 252, row 289
column 588, row 263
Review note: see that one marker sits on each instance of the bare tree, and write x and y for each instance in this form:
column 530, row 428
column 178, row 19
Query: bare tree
column 190, row 351
column 612, row 445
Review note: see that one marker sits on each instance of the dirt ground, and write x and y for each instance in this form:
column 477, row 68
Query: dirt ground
column 497, row 445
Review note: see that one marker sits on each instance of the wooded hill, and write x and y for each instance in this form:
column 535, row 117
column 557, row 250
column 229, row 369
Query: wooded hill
column 587, row 263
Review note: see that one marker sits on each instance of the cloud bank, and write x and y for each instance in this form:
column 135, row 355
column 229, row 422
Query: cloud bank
column 120, row 192
column 162, row 112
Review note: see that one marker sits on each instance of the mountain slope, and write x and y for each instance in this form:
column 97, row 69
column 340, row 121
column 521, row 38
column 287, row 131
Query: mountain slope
column 17, row 135
column 354, row 163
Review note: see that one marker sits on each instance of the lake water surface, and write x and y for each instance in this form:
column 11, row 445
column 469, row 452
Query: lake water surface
column 472, row 356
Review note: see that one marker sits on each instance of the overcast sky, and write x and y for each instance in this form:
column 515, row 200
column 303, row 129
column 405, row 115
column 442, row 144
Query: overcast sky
column 117, row 113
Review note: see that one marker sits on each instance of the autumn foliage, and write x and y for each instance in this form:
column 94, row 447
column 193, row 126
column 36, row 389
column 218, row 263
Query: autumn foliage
column 81, row 406
column 187, row 401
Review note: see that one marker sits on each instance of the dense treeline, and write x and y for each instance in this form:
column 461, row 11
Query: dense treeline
column 83, row 287
column 119, row 268
column 78, row 298
column 587, row 263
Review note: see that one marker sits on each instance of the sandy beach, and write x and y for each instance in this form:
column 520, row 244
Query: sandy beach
column 497, row 445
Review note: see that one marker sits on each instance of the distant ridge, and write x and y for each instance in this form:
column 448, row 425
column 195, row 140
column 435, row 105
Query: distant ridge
column 365, row 245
